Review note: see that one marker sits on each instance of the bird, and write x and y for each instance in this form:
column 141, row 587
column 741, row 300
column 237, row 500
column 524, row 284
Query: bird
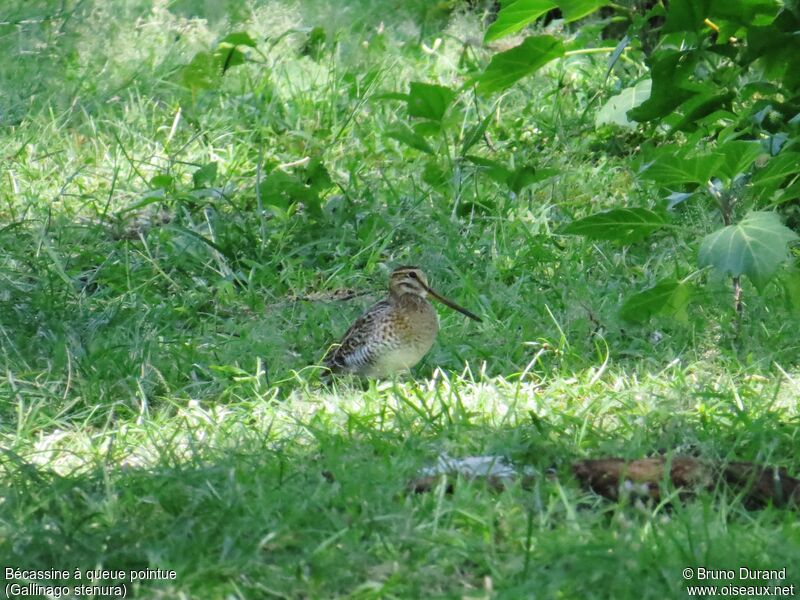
column 395, row 333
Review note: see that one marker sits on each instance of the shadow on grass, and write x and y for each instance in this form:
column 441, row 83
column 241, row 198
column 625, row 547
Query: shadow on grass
column 326, row 513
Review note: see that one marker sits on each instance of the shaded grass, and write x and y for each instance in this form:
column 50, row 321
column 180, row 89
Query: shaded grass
column 307, row 497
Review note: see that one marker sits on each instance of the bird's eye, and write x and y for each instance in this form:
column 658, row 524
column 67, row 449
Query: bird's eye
column 412, row 275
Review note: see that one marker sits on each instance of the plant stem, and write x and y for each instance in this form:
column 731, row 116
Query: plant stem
column 737, row 295
column 602, row 50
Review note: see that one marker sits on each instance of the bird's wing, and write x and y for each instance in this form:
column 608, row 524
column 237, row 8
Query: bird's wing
column 355, row 350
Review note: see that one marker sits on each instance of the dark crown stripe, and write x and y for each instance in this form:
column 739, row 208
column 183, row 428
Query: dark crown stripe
column 405, row 268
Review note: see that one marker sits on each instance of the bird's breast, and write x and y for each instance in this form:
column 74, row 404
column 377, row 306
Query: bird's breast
column 413, row 330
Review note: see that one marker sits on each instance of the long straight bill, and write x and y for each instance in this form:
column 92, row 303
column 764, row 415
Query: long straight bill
column 453, row 305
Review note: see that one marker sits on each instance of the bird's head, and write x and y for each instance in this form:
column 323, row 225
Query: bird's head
column 408, row 280
column 411, row 280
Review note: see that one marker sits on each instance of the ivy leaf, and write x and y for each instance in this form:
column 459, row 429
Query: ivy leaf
column 756, row 247
column 429, row 101
column 506, row 68
column 669, row 297
column 626, row 225
column 516, row 15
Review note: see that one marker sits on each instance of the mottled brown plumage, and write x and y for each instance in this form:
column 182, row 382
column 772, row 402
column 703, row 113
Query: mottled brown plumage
column 395, row 333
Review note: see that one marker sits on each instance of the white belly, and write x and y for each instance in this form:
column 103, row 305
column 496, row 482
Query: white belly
column 398, row 359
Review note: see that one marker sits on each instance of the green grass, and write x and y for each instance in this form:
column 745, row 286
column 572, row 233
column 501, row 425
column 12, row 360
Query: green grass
column 158, row 403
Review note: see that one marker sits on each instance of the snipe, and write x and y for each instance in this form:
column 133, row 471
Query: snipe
column 395, row 333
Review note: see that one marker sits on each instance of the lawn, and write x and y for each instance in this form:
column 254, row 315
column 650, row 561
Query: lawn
column 179, row 247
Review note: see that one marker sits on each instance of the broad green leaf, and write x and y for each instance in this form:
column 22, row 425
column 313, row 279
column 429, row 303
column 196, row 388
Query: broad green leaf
column 506, row 68
column 745, row 13
column 777, row 170
column 615, row 111
column 688, row 114
column 513, row 16
column 626, row 225
column 227, row 56
column 239, row 38
column 787, row 194
column 429, row 101
column 403, row 133
column 756, row 247
column 674, row 169
column 528, row 175
column 670, row 297
column 205, row 176
column 390, row 96
column 203, row 72
column 316, row 176
column 716, row 121
column 495, row 170
column 227, row 53
column 427, row 128
column 206, row 68
column 738, row 156
column 686, row 15
column 775, row 48
column 315, row 43
column 163, row 181
column 671, row 72
column 434, row 175
column 572, row 10
column 515, row 180
column 791, row 286
column 282, row 190
column 756, row 89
